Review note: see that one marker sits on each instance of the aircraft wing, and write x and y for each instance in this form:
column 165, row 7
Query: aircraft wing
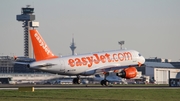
column 105, row 68
column 112, row 78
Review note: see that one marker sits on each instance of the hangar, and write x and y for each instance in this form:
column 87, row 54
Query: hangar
column 160, row 72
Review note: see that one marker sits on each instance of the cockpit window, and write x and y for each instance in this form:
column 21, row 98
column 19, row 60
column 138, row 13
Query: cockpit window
column 139, row 54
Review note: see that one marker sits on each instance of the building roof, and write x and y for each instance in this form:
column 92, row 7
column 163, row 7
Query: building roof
column 159, row 64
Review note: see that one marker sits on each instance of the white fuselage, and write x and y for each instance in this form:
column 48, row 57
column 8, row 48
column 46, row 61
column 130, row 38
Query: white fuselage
column 89, row 64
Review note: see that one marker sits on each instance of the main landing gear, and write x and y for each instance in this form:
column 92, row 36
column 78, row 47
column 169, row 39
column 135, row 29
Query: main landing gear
column 77, row 80
column 105, row 82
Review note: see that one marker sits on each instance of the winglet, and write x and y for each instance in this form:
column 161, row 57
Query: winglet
column 41, row 50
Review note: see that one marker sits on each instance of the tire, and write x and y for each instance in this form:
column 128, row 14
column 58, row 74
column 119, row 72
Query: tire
column 75, row 81
column 106, row 83
column 78, row 81
column 102, row 82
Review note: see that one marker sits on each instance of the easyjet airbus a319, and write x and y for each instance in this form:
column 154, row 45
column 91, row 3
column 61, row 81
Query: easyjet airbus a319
column 122, row 62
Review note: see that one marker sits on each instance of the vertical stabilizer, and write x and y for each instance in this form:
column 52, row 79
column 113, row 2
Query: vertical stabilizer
column 41, row 50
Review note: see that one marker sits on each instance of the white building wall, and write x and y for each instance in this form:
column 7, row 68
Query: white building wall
column 161, row 75
column 173, row 74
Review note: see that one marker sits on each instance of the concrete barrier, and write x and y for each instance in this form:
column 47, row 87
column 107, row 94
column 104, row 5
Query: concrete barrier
column 29, row 89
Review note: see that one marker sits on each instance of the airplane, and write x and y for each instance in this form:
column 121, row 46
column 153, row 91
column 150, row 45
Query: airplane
column 85, row 64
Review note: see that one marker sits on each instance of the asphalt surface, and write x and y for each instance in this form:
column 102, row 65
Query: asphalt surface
column 3, row 86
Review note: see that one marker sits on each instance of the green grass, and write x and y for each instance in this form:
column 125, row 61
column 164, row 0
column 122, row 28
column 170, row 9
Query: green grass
column 92, row 95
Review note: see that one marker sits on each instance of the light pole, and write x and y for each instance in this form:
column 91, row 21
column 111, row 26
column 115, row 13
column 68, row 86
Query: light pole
column 121, row 43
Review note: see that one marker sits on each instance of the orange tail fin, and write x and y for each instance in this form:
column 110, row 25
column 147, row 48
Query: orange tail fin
column 41, row 50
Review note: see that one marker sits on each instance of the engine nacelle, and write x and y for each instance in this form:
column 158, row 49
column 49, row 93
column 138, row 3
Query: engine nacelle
column 128, row 73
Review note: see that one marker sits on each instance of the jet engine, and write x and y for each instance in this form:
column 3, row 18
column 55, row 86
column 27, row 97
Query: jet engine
column 128, row 73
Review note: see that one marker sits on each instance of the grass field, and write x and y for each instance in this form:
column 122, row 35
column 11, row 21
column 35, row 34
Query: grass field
column 92, row 95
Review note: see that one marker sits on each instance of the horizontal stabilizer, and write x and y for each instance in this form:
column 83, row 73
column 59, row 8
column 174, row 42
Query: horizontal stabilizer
column 21, row 63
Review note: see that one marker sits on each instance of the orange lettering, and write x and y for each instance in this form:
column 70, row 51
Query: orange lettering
column 90, row 60
column 108, row 57
column 71, row 62
column 127, row 55
column 96, row 61
column 121, row 57
column 78, row 62
column 95, row 58
column 84, row 61
column 103, row 58
column 115, row 57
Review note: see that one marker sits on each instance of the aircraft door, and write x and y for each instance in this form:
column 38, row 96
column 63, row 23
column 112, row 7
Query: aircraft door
column 62, row 66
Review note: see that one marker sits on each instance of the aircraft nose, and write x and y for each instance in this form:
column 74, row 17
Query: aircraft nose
column 142, row 60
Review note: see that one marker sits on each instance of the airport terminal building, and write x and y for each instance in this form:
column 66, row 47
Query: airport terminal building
column 7, row 65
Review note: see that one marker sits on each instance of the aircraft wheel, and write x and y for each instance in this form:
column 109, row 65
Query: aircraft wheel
column 78, row 81
column 75, row 81
column 106, row 83
column 102, row 82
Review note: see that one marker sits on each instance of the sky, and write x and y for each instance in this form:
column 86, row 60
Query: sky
column 151, row 27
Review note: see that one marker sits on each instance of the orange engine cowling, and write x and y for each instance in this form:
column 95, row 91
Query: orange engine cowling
column 128, row 73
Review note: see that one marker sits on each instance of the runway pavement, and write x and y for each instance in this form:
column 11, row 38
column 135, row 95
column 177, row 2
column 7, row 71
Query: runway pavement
column 14, row 87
